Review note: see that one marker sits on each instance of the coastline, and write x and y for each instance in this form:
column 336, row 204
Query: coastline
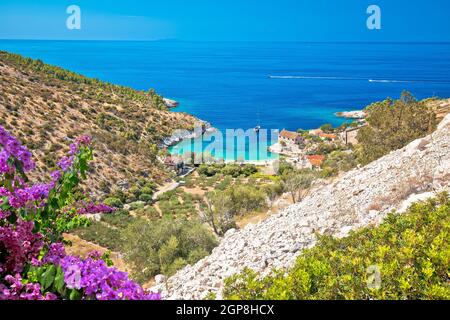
column 274, row 147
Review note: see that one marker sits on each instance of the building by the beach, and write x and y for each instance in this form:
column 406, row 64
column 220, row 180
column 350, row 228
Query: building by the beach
column 290, row 137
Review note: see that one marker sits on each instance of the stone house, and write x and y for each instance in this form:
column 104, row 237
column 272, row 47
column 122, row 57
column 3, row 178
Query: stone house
column 290, row 137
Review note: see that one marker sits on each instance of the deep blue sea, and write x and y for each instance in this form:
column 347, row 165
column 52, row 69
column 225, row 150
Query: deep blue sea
column 242, row 84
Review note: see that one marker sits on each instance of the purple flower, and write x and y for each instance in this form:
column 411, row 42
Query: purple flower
column 55, row 253
column 4, row 166
column 84, row 140
column 65, row 163
column 92, row 208
column 16, row 290
column 4, row 214
column 4, row 192
column 13, row 148
column 19, row 245
column 99, row 281
column 55, row 175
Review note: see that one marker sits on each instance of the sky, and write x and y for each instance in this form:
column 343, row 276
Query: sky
column 227, row 20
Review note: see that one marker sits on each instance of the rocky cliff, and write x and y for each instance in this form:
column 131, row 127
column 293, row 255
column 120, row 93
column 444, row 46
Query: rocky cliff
column 359, row 198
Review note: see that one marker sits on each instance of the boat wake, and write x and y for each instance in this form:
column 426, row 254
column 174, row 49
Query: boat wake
column 360, row 79
column 314, row 78
column 392, row 81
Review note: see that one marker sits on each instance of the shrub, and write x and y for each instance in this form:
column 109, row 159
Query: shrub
column 297, row 183
column 147, row 190
column 233, row 170
column 148, row 212
column 338, row 161
column 327, row 128
column 165, row 246
column 137, row 205
column 207, row 170
column 118, row 219
column 101, row 234
column 114, row 202
column 411, row 252
column 145, row 197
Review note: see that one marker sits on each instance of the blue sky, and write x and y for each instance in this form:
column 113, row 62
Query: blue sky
column 227, row 20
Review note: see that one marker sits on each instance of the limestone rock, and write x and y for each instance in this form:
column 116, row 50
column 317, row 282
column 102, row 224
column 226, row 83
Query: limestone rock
column 361, row 197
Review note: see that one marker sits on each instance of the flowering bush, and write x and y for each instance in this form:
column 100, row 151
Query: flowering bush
column 33, row 262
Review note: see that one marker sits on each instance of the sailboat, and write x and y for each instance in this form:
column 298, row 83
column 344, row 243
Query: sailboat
column 258, row 127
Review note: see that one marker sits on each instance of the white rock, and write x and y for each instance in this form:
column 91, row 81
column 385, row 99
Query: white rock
column 160, row 279
column 278, row 240
column 170, row 103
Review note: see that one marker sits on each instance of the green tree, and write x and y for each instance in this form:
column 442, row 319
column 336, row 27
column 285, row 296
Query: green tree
column 392, row 125
column 233, row 170
column 297, row 183
column 217, row 212
column 273, row 191
column 166, row 255
column 245, row 199
column 338, row 161
column 327, row 128
column 164, row 246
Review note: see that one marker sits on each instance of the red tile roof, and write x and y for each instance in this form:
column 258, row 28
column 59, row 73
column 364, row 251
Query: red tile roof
column 316, row 160
column 289, row 134
column 328, row 135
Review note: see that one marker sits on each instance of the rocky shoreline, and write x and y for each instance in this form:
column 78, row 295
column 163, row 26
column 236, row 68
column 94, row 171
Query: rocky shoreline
column 171, row 103
column 356, row 114
column 181, row 134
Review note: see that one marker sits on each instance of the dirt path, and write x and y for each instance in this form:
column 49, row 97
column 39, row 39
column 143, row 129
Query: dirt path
column 82, row 248
column 166, row 188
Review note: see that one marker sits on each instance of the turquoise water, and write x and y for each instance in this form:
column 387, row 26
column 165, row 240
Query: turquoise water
column 243, row 147
column 243, row 84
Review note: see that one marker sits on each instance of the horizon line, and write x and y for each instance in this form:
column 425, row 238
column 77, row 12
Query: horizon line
column 225, row 41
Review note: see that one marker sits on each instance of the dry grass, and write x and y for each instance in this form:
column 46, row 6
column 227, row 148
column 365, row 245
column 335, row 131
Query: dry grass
column 405, row 188
column 47, row 113
column 82, row 248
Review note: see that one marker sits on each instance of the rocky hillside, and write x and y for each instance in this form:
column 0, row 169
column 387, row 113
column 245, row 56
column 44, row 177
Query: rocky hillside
column 359, row 198
column 440, row 106
column 46, row 107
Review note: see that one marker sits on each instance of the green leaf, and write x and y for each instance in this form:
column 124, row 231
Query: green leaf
column 59, row 281
column 75, row 295
column 37, row 226
column 48, row 277
column 4, row 204
column 12, row 218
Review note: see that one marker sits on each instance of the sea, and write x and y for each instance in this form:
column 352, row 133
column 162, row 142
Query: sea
column 241, row 85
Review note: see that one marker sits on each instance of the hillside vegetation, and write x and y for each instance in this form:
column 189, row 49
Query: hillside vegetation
column 47, row 106
column 393, row 124
column 406, row 257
